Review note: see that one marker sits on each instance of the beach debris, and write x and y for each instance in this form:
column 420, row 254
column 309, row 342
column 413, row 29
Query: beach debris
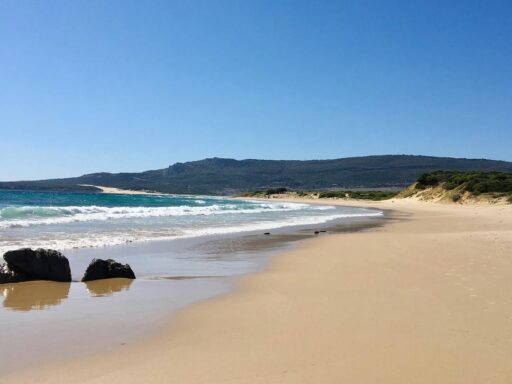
column 107, row 269
column 317, row 232
column 267, row 233
column 27, row 264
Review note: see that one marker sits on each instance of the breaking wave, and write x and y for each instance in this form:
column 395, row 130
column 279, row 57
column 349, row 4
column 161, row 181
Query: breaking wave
column 73, row 220
column 12, row 217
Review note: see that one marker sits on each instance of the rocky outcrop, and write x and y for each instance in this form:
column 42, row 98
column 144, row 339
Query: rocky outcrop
column 41, row 264
column 107, row 269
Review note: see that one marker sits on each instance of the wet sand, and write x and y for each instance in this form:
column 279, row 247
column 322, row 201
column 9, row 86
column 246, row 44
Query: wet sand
column 63, row 320
column 44, row 322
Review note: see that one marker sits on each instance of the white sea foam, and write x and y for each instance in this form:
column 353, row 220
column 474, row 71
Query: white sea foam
column 96, row 224
column 84, row 240
column 25, row 216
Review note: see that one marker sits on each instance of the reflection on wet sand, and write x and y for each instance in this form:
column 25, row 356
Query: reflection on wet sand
column 32, row 295
column 107, row 287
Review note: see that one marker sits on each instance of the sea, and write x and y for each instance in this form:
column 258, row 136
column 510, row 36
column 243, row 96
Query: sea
column 63, row 220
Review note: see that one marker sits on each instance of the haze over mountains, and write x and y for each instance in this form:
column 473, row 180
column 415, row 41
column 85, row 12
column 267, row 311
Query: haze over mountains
column 227, row 176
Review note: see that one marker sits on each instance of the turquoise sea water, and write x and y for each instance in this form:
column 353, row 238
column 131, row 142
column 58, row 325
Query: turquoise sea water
column 62, row 220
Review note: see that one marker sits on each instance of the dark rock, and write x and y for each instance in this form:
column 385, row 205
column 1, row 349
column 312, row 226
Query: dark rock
column 41, row 264
column 267, row 233
column 107, row 269
column 8, row 276
column 317, row 232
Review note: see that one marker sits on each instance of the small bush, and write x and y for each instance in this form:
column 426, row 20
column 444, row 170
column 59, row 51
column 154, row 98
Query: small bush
column 363, row 195
column 331, row 194
column 276, row 191
column 427, row 180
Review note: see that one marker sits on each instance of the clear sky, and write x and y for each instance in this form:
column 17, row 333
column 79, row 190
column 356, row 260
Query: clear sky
column 90, row 86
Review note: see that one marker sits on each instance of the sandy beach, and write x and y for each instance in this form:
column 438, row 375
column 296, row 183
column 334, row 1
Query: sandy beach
column 255, row 192
column 423, row 299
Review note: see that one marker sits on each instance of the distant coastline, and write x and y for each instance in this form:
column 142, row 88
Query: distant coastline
column 221, row 177
column 121, row 191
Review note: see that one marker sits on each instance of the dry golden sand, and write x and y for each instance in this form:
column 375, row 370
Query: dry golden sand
column 426, row 298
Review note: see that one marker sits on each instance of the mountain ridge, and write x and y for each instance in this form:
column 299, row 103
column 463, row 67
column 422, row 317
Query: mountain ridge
column 226, row 176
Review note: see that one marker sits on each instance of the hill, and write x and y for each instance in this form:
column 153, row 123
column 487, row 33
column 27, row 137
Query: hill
column 228, row 176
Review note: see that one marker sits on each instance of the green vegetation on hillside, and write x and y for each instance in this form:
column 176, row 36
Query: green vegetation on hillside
column 498, row 184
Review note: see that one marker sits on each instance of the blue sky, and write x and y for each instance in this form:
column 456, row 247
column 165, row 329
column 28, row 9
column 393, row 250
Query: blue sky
column 90, row 86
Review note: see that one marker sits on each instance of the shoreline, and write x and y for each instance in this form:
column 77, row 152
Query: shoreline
column 102, row 215
column 419, row 300
column 166, row 272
